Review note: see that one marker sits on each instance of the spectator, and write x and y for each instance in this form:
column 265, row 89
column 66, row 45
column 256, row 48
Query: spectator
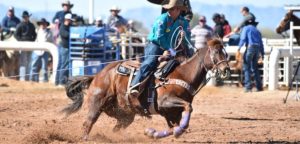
column 218, row 30
column 25, row 31
column 67, row 6
column 159, row 40
column 247, row 16
column 131, row 27
column 115, row 20
column 202, row 33
column 251, row 37
column 55, row 32
column 63, row 50
column 10, row 21
column 39, row 59
column 226, row 25
column 187, row 14
column 99, row 22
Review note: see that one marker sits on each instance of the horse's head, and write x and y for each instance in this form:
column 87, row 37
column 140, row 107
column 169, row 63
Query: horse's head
column 216, row 59
column 284, row 24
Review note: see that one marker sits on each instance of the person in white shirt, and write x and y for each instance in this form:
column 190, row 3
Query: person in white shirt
column 202, row 33
column 40, row 58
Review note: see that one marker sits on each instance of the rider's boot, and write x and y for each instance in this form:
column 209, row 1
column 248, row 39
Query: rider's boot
column 134, row 99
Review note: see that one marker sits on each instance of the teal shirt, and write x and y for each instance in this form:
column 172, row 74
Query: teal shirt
column 164, row 27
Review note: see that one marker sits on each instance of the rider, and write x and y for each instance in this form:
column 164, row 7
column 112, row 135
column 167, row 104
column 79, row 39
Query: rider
column 159, row 40
column 187, row 14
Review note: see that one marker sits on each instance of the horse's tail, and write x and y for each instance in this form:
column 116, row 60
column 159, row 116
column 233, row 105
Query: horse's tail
column 74, row 90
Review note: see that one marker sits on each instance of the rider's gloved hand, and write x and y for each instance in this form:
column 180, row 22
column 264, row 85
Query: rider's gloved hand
column 172, row 52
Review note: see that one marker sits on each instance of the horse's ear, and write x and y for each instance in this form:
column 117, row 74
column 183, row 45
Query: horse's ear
column 290, row 12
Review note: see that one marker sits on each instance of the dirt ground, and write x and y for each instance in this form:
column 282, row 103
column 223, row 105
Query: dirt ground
column 29, row 113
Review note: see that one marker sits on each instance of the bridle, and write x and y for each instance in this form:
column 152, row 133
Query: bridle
column 212, row 52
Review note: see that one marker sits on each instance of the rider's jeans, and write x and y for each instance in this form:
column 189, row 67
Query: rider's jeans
column 251, row 67
column 152, row 52
column 39, row 62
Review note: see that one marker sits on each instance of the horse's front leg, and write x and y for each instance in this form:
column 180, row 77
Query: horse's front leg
column 181, row 122
column 185, row 119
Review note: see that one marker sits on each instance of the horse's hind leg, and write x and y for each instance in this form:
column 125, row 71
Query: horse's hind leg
column 95, row 103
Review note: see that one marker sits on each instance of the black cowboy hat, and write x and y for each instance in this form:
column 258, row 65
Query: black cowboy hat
column 43, row 20
column 26, row 14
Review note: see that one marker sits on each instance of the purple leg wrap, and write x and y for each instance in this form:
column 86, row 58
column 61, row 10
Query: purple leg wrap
column 161, row 134
column 185, row 120
column 149, row 132
column 177, row 131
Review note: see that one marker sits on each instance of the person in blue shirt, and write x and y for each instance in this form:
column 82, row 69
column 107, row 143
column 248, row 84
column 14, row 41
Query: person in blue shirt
column 159, row 41
column 10, row 21
column 251, row 37
column 60, row 15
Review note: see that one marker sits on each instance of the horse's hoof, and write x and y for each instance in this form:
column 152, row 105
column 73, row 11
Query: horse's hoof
column 177, row 131
column 161, row 134
column 149, row 132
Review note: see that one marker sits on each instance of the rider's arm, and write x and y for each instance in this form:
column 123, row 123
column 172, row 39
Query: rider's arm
column 161, row 29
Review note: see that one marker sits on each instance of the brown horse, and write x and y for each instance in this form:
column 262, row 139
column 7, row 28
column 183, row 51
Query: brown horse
column 284, row 25
column 174, row 96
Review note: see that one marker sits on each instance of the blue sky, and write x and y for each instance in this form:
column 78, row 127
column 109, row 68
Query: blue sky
column 102, row 6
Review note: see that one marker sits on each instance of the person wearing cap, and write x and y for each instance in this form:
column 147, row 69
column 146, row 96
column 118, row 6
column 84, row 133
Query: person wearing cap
column 187, row 14
column 99, row 22
column 115, row 20
column 218, row 30
column 251, row 37
column 10, row 21
column 159, row 41
column 67, row 6
column 202, row 33
column 226, row 25
column 63, row 51
column 39, row 59
column 25, row 31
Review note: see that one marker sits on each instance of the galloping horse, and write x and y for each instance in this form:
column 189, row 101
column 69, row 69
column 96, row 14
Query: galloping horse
column 284, row 25
column 174, row 95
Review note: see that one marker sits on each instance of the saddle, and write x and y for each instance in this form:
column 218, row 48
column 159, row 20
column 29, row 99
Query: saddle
column 148, row 86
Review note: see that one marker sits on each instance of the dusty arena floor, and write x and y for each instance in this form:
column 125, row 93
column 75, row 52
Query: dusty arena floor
column 29, row 113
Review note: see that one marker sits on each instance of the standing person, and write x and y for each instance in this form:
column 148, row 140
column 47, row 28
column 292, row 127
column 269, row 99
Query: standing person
column 159, row 40
column 63, row 51
column 39, row 59
column 115, row 20
column 10, row 21
column 187, row 14
column 218, row 30
column 248, row 16
column 251, row 37
column 60, row 15
column 202, row 33
column 25, row 31
column 226, row 25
